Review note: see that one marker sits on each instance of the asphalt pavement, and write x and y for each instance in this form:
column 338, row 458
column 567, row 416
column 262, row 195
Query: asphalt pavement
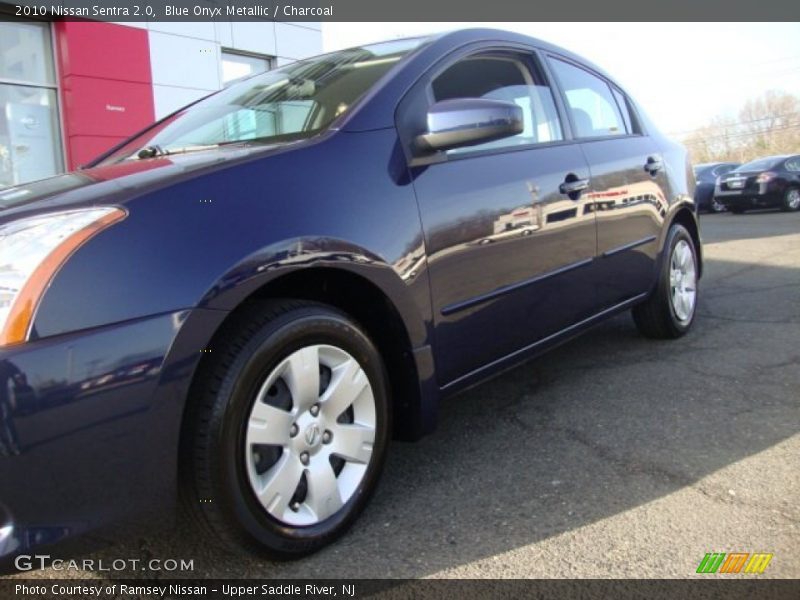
column 612, row 456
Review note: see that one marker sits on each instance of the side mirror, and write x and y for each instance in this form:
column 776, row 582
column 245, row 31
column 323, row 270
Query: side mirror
column 468, row 121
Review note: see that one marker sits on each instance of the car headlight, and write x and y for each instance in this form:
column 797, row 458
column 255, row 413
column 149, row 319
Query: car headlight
column 31, row 252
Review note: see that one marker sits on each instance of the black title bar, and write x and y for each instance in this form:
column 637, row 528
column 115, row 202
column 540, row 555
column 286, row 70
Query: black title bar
column 220, row 589
column 405, row 10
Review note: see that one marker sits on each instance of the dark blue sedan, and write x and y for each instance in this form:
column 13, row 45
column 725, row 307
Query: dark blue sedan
column 770, row 182
column 246, row 301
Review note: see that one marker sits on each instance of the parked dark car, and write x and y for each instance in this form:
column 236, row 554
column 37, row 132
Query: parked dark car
column 251, row 297
column 771, row 182
column 706, row 179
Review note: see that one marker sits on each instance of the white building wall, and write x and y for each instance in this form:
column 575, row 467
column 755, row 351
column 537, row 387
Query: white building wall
column 185, row 57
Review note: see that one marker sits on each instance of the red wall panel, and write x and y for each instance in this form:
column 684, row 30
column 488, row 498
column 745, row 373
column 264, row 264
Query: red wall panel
column 104, row 50
column 105, row 78
column 106, row 106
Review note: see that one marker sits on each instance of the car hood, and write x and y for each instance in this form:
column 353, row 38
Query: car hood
column 119, row 183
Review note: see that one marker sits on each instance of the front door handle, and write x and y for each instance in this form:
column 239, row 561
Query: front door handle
column 572, row 186
column 653, row 165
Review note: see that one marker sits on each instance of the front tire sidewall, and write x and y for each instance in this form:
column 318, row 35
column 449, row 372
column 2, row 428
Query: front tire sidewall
column 259, row 530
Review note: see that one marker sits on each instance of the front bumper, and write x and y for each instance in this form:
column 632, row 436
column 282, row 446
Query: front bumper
column 89, row 428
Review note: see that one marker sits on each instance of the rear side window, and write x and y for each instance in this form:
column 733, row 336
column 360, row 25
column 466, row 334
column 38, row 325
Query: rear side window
column 591, row 103
column 508, row 78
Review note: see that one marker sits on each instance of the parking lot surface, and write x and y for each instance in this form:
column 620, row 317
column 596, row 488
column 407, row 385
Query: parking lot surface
column 613, row 456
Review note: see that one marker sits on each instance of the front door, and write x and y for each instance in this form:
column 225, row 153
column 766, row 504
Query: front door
column 508, row 249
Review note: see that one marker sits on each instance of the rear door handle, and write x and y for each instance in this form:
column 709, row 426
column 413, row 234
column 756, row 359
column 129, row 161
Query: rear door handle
column 572, row 186
column 653, row 165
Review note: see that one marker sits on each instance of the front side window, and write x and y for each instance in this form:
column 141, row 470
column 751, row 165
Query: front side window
column 30, row 144
column 594, row 111
column 505, row 78
column 292, row 103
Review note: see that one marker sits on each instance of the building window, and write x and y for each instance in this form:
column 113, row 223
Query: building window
column 30, row 141
column 236, row 65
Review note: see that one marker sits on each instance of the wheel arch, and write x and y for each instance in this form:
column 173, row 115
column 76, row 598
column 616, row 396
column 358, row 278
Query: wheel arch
column 410, row 370
column 685, row 216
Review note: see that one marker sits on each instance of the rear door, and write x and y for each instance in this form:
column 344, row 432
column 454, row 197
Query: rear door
column 508, row 251
column 627, row 180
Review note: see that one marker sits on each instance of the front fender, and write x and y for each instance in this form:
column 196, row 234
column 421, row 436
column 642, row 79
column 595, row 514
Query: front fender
column 201, row 241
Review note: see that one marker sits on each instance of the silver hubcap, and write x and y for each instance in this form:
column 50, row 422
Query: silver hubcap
column 310, row 435
column 683, row 281
column 793, row 199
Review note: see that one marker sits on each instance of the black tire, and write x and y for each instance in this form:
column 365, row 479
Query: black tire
column 790, row 203
column 737, row 210
column 656, row 317
column 216, row 488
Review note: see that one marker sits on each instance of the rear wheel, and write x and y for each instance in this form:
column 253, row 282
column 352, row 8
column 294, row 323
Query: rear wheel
column 791, row 200
column 669, row 311
column 287, row 441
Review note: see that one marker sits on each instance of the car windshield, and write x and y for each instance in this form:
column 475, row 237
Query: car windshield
column 758, row 165
column 294, row 102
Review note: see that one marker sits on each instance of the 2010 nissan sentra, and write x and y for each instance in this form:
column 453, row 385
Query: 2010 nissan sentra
column 246, row 301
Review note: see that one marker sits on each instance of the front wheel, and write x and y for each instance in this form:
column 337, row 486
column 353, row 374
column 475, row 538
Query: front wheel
column 288, row 438
column 791, row 200
column 669, row 311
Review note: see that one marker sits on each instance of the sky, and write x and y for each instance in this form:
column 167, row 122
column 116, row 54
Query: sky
column 683, row 74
